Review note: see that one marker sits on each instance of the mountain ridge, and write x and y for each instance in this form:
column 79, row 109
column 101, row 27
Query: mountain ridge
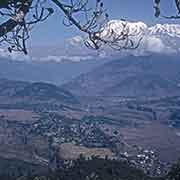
column 140, row 27
column 129, row 75
column 37, row 91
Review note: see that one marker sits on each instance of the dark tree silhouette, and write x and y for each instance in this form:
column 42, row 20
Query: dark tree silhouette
column 158, row 13
column 18, row 17
column 174, row 173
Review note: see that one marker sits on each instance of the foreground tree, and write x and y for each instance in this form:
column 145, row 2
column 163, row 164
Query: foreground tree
column 158, row 9
column 18, row 17
column 174, row 173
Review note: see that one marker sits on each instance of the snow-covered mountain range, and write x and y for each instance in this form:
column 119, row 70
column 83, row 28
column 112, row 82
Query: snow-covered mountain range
column 172, row 30
column 159, row 38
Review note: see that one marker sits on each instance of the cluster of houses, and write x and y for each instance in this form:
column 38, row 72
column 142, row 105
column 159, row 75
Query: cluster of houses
column 87, row 133
column 147, row 160
column 63, row 130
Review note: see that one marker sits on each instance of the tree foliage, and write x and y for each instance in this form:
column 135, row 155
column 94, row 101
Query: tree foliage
column 174, row 173
column 95, row 169
column 82, row 169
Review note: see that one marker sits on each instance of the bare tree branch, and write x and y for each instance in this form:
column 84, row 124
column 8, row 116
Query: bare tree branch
column 158, row 12
column 95, row 25
column 16, row 30
column 10, row 24
column 88, row 17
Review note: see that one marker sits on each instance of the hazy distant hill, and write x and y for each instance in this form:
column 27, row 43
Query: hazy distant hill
column 45, row 91
column 35, row 91
column 10, row 87
column 153, row 75
column 51, row 72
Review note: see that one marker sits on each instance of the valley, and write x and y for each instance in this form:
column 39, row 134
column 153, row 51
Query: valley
column 47, row 126
column 128, row 130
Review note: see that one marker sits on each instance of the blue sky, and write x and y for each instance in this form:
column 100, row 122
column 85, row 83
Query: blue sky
column 53, row 32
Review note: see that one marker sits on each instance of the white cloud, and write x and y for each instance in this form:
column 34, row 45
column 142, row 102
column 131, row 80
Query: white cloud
column 153, row 44
column 15, row 56
column 65, row 58
column 19, row 56
column 49, row 58
column 75, row 41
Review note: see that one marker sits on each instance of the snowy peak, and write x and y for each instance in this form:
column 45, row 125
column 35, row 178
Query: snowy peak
column 160, row 38
column 172, row 30
column 133, row 27
column 165, row 29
